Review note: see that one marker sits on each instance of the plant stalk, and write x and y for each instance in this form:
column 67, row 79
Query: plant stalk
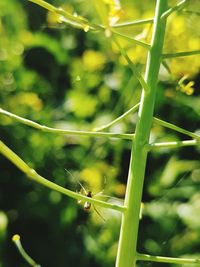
column 62, row 131
column 33, row 175
column 173, row 144
column 127, row 249
column 145, row 257
column 132, row 23
column 182, row 54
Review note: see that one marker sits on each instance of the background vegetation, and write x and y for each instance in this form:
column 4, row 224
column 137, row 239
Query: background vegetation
column 66, row 78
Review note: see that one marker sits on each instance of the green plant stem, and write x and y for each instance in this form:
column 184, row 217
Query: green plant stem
column 156, row 120
column 132, row 40
column 132, row 66
column 64, row 132
column 45, row 5
column 120, row 118
column 145, row 257
column 75, row 21
column 33, row 175
column 176, row 128
column 166, row 66
column 174, row 144
column 23, row 253
column 127, row 255
column 191, row 12
column 82, row 23
column 173, row 9
column 182, row 54
column 132, row 23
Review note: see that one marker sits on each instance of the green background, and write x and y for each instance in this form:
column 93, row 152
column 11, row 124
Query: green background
column 63, row 77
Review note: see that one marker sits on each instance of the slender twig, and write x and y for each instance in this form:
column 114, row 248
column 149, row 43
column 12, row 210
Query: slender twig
column 159, row 121
column 120, row 118
column 181, row 54
column 64, row 132
column 174, row 144
column 176, row 128
column 191, row 12
column 173, row 9
column 131, row 39
column 132, row 66
column 45, row 5
column 166, row 66
column 145, row 257
column 66, row 17
column 132, row 23
column 24, row 254
column 33, row 175
column 80, row 22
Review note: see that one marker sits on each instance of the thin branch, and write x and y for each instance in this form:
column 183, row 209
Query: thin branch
column 82, row 23
column 65, row 17
column 24, row 254
column 132, row 40
column 132, row 23
column 132, row 66
column 120, row 118
column 179, row 6
column 166, row 66
column 191, row 12
column 145, row 257
column 174, row 144
column 33, row 175
column 64, row 132
column 45, row 5
column 176, row 128
column 181, row 54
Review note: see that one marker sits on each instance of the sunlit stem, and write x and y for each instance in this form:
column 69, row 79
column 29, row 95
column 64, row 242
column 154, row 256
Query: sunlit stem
column 132, row 23
column 131, row 39
column 65, row 132
column 174, row 144
column 26, row 257
column 145, row 257
column 176, row 128
column 33, row 175
column 156, row 120
column 166, row 66
column 182, row 54
column 45, row 5
column 132, row 66
column 173, row 9
column 117, row 120
column 127, row 248
column 76, row 21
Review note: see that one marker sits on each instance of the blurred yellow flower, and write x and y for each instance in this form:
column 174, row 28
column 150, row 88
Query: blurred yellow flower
column 76, row 101
column 193, row 43
column 179, row 25
column 31, row 100
column 93, row 178
column 181, row 37
column 120, row 190
column 115, row 11
column 93, row 60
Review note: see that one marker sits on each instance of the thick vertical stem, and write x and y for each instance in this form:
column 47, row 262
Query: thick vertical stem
column 127, row 249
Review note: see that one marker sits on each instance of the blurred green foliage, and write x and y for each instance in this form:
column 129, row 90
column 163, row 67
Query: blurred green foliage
column 64, row 77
